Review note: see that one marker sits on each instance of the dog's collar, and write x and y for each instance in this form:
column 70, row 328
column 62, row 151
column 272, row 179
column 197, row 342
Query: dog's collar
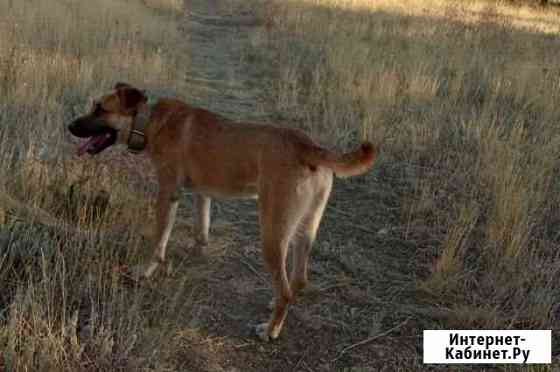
column 137, row 137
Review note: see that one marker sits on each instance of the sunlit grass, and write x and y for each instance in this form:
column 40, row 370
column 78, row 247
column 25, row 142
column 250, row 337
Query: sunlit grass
column 464, row 94
column 65, row 223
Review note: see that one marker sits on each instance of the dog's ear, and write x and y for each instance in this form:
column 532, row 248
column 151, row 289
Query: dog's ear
column 130, row 98
column 121, row 85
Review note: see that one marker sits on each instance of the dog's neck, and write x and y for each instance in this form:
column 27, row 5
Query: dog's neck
column 137, row 137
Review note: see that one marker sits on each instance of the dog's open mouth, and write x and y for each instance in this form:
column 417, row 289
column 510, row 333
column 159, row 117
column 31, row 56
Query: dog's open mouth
column 95, row 144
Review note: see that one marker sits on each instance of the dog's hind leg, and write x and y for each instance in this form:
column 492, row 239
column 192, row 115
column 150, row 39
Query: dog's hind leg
column 306, row 233
column 275, row 249
column 201, row 222
column 166, row 210
column 279, row 217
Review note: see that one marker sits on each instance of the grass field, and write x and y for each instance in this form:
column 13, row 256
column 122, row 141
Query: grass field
column 462, row 97
column 55, row 56
column 466, row 94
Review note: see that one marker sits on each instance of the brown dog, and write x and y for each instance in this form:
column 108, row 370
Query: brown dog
column 193, row 148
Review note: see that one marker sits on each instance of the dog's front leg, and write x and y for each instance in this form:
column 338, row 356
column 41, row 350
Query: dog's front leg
column 166, row 210
column 201, row 222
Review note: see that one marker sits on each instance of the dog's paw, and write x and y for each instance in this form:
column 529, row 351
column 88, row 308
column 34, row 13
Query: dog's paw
column 137, row 273
column 140, row 273
column 262, row 331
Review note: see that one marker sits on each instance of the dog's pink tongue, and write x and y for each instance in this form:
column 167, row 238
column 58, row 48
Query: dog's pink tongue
column 91, row 142
column 85, row 145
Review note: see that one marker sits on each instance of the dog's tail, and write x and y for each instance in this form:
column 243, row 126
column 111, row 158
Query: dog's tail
column 350, row 164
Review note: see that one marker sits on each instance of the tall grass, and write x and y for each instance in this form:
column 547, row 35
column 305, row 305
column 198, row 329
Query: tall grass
column 465, row 96
column 64, row 226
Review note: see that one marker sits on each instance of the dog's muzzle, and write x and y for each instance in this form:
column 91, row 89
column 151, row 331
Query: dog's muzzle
column 99, row 136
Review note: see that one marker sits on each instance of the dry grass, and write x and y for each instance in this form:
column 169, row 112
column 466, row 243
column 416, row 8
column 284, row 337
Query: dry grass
column 464, row 97
column 56, row 211
column 169, row 5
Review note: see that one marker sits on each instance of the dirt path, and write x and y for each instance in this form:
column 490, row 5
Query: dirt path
column 360, row 272
column 219, row 77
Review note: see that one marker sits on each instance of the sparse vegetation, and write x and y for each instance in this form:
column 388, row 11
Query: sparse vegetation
column 54, row 55
column 461, row 96
column 464, row 97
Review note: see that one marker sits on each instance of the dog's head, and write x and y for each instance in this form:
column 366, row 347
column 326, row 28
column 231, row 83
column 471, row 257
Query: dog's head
column 110, row 116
